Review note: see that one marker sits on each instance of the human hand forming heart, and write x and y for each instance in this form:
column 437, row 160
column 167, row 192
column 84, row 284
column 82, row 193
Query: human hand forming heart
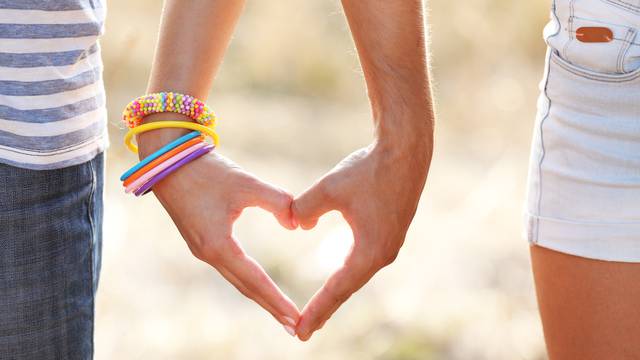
column 376, row 189
column 204, row 199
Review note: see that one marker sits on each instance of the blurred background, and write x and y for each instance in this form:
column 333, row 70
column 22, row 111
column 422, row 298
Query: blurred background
column 291, row 101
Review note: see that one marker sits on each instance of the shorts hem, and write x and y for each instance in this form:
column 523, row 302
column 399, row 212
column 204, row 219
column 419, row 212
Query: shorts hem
column 618, row 242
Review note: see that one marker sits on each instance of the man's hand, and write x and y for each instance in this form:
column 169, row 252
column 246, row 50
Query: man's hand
column 377, row 191
column 204, row 198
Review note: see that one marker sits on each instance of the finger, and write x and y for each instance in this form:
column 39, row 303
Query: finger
column 273, row 199
column 245, row 273
column 310, row 205
column 287, row 322
column 356, row 271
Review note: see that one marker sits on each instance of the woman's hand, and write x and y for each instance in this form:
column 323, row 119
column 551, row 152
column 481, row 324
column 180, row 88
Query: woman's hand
column 204, row 198
column 377, row 191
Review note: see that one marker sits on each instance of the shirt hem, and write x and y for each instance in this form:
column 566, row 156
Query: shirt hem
column 100, row 145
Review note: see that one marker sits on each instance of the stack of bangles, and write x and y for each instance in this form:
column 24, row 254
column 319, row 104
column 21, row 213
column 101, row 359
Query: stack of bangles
column 141, row 178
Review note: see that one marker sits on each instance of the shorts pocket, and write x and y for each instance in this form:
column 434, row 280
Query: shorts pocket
column 620, row 55
column 593, row 75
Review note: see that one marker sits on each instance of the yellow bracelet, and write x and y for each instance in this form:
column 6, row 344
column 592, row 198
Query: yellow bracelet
column 167, row 124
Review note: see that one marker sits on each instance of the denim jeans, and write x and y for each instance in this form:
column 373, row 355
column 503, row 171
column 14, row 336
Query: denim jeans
column 50, row 244
column 584, row 177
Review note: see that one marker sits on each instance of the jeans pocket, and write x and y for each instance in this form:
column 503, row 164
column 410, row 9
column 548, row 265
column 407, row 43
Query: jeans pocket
column 619, row 55
column 632, row 76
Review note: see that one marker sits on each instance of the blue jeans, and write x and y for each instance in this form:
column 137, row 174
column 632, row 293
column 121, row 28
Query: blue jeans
column 50, row 244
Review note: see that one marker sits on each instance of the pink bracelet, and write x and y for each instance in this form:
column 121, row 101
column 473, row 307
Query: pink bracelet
column 148, row 186
column 156, row 170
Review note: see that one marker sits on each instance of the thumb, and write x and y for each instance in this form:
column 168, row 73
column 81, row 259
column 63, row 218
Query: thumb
column 274, row 200
column 310, row 205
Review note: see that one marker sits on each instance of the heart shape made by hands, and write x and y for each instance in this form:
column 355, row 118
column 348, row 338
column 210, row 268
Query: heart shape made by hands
column 362, row 188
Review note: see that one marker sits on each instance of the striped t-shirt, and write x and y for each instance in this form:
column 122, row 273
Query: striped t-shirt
column 52, row 102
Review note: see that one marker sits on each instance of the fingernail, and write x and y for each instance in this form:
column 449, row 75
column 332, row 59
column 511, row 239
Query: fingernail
column 289, row 321
column 294, row 223
column 289, row 330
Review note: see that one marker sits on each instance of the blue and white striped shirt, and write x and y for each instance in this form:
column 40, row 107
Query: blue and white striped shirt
column 52, row 101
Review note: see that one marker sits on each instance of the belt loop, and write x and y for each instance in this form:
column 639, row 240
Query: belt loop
column 626, row 45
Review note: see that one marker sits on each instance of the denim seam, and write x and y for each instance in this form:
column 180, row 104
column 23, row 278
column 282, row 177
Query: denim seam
column 565, row 49
column 581, row 222
column 540, row 129
column 542, row 155
column 624, row 5
column 631, row 36
column 598, row 77
column 92, row 239
column 624, row 47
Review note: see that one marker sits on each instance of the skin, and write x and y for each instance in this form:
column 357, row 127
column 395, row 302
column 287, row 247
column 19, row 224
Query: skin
column 205, row 217
column 376, row 188
column 589, row 308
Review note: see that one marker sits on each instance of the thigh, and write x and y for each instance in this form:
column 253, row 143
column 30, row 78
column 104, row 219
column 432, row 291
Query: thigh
column 590, row 309
column 50, row 238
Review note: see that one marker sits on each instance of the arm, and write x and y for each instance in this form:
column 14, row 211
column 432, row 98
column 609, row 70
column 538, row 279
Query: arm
column 377, row 188
column 206, row 196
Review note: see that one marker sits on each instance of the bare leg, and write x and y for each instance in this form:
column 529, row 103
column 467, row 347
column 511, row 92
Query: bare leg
column 590, row 309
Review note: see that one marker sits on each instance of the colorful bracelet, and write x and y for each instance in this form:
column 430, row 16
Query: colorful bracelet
column 159, row 152
column 162, row 158
column 160, row 102
column 158, row 169
column 168, row 124
column 144, row 189
column 142, row 177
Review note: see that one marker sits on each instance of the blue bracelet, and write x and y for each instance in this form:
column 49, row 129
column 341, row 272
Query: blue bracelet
column 175, row 143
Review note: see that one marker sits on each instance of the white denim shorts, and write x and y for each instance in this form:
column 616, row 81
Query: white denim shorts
column 584, row 176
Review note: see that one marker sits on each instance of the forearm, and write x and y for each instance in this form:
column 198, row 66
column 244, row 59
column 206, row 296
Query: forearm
column 193, row 38
column 390, row 38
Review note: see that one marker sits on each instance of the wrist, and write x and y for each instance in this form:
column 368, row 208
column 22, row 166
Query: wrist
column 405, row 132
column 150, row 141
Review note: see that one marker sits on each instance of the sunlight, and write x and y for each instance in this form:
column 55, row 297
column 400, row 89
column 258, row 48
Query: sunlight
column 333, row 248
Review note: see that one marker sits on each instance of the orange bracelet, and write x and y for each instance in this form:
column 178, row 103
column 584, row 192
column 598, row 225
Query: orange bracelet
column 161, row 159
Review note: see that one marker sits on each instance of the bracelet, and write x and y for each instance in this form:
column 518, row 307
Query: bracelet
column 159, row 152
column 178, row 103
column 162, row 158
column 135, row 185
column 168, row 124
column 144, row 189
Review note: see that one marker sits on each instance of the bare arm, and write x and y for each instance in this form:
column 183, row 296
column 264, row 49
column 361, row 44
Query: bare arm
column 390, row 38
column 206, row 196
column 377, row 188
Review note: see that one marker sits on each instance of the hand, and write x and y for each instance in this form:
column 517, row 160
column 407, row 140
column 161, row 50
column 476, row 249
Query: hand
column 377, row 191
column 204, row 198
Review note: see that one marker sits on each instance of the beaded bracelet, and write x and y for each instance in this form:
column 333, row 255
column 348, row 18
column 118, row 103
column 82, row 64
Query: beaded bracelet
column 141, row 178
column 160, row 102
